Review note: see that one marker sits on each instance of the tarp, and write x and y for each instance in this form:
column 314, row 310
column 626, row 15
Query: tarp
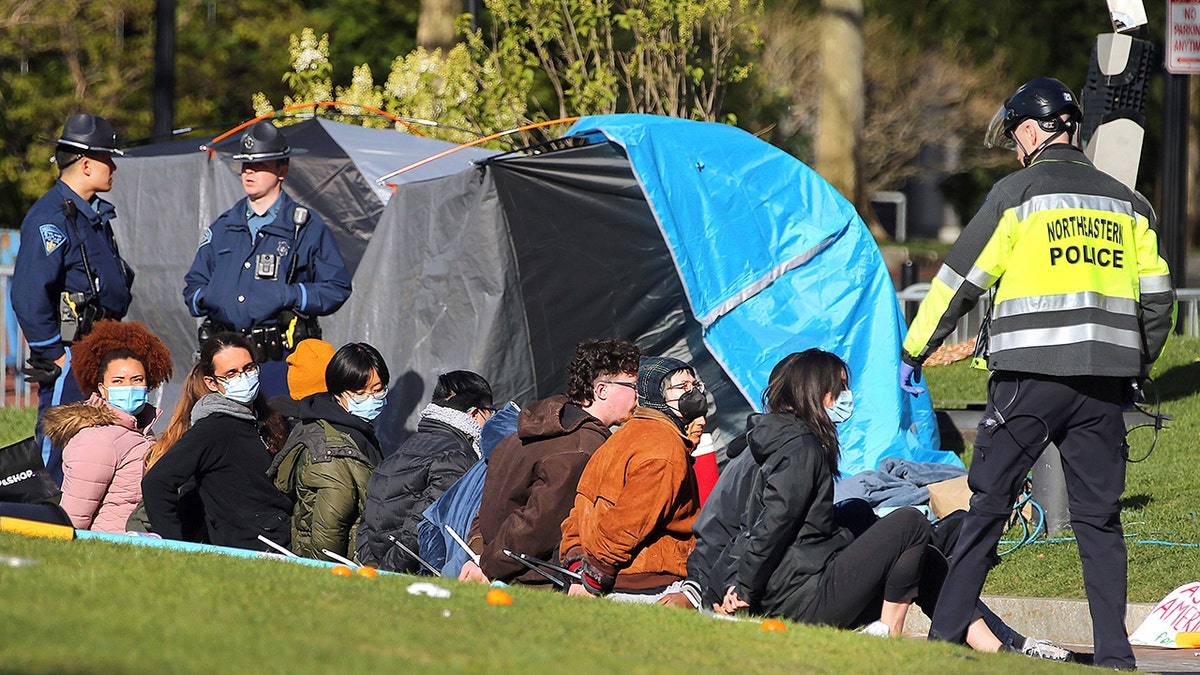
column 773, row 260
column 693, row 240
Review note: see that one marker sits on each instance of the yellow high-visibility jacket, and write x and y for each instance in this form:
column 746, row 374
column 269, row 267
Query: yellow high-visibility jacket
column 1080, row 287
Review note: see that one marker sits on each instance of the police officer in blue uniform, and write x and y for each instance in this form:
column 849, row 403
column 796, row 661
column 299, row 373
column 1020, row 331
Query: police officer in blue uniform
column 69, row 272
column 268, row 267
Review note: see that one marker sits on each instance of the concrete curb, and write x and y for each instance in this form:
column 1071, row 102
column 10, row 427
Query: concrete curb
column 1058, row 620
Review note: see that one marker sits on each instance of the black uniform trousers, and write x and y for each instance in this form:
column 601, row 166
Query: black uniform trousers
column 1082, row 417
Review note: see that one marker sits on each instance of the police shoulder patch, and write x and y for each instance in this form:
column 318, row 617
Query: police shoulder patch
column 205, row 238
column 52, row 237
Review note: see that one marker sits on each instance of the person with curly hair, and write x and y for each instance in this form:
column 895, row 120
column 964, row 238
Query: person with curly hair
column 629, row 532
column 532, row 474
column 105, row 438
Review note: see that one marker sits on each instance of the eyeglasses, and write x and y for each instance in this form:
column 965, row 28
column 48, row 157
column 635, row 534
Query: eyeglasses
column 377, row 395
column 246, row 370
column 630, row 385
column 685, row 387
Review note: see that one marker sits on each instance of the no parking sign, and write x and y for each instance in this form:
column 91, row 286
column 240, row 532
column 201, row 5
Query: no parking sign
column 1183, row 37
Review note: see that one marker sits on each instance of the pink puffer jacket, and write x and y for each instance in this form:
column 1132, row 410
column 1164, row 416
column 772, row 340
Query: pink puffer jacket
column 103, row 450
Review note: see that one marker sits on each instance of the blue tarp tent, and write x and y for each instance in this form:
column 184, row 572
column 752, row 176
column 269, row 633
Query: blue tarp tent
column 773, row 261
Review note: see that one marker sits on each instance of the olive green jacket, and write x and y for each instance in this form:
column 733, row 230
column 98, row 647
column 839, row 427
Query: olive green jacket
column 325, row 473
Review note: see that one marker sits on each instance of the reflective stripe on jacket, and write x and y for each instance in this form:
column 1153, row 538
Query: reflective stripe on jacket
column 1080, row 287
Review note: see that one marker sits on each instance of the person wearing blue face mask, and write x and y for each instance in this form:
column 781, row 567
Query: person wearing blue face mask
column 329, row 456
column 790, row 559
column 415, row 474
column 226, row 452
column 842, row 408
column 105, row 438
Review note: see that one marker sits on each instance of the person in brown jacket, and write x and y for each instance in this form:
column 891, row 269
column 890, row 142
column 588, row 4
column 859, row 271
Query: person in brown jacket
column 532, row 474
column 630, row 532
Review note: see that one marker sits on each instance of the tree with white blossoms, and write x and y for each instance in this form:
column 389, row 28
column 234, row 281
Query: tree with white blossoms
column 421, row 85
column 546, row 59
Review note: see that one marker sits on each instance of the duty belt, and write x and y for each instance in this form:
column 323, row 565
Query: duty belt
column 77, row 313
column 275, row 340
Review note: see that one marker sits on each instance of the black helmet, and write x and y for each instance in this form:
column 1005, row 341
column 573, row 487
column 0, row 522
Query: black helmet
column 261, row 142
column 89, row 133
column 1044, row 99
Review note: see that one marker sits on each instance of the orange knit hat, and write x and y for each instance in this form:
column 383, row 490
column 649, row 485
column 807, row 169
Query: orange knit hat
column 306, row 368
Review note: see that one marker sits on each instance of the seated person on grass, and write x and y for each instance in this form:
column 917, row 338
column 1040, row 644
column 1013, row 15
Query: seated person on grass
column 407, row 481
column 792, row 557
column 331, row 453
column 532, row 474
column 226, row 452
column 630, row 531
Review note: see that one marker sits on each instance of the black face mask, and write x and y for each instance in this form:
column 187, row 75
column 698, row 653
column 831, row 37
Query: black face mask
column 692, row 405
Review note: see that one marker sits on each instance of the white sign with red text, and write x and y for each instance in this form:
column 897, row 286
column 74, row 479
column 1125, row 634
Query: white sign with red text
column 1183, row 36
column 1179, row 612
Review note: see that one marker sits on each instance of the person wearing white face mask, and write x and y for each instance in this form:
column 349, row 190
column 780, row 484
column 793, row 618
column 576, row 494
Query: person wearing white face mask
column 226, row 451
column 105, row 438
column 329, row 456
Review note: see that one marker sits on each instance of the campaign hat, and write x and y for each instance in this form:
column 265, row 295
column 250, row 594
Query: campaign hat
column 261, row 142
column 85, row 132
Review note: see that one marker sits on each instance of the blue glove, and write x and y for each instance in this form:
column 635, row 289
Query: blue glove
column 910, row 379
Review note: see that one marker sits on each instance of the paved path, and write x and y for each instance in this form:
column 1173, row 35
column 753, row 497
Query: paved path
column 1067, row 623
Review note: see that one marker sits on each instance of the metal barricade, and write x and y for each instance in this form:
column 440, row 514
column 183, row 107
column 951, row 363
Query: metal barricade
column 968, row 326
column 16, row 391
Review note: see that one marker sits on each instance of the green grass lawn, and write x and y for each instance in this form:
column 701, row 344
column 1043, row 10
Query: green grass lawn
column 89, row 606
column 16, row 424
column 1161, row 498
column 1161, row 494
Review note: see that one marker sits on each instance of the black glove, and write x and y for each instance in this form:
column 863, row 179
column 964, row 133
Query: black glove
column 1134, row 393
column 42, row 370
column 594, row 580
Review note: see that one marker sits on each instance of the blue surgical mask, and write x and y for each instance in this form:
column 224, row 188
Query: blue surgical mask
column 242, row 388
column 842, row 408
column 367, row 407
column 130, row 399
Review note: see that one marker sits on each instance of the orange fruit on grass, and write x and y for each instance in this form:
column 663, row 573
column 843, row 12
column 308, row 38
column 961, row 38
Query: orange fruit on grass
column 367, row 571
column 498, row 596
column 340, row 571
column 773, row 625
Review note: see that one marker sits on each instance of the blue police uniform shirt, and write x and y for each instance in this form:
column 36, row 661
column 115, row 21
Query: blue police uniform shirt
column 242, row 281
column 50, row 262
column 255, row 222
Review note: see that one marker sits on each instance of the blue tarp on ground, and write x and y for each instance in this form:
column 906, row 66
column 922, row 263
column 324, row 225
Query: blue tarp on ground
column 774, row 261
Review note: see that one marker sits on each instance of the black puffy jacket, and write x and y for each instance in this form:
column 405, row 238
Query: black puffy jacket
column 404, row 485
column 788, row 533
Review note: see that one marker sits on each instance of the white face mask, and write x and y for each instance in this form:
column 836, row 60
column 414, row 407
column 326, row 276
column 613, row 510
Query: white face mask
column 242, row 388
column 842, row 408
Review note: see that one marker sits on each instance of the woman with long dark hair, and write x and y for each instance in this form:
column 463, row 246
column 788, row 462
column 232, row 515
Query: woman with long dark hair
column 790, row 559
column 226, row 450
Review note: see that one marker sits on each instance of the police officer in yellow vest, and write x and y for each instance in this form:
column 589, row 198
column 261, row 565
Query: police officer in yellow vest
column 1082, row 306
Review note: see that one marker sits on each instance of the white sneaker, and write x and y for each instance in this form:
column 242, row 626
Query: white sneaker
column 1045, row 649
column 876, row 628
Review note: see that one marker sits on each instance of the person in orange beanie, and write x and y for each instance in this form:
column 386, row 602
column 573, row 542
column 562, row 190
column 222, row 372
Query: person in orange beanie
column 305, row 377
